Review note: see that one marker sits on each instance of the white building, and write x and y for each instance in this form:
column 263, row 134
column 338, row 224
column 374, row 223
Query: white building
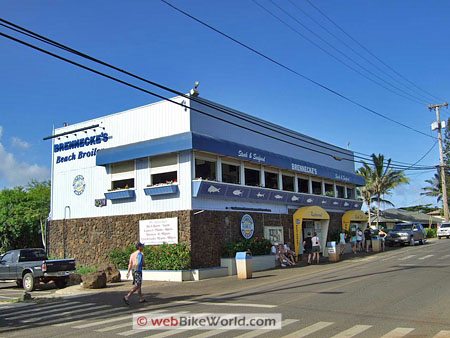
column 199, row 162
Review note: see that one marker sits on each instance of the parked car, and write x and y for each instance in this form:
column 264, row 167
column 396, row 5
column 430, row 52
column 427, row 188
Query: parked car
column 407, row 233
column 444, row 230
column 28, row 267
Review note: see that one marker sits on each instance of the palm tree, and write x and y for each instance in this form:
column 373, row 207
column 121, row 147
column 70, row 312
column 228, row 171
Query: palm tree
column 434, row 187
column 381, row 178
column 367, row 190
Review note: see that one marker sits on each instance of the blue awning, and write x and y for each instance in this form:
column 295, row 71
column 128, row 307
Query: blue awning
column 194, row 141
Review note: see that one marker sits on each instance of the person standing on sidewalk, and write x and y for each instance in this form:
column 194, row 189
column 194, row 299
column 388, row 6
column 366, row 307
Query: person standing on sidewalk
column 135, row 265
column 316, row 247
column 368, row 237
column 307, row 246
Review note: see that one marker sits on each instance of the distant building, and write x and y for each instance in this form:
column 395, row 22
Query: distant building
column 390, row 217
column 198, row 173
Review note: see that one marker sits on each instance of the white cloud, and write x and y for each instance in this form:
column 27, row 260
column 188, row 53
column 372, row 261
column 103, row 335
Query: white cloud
column 19, row 143
column 14, row 172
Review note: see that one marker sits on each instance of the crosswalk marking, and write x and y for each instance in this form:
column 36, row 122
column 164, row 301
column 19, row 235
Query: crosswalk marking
column 398, row 332
column 353, row 331
column 37, row 309
column 407, row 257
column 169, row 333
column 227, row 304
column 309, row 330
column 212, row 332
column 132, row 332
column 442, row 334
column 62, row 314
column 120, row 326
column 83, row 315
column 425, row 257
column 47, row 312
column 106, row 321
column 259, row 332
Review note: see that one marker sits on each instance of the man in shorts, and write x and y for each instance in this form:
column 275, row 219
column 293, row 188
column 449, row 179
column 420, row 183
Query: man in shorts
column 136, row 264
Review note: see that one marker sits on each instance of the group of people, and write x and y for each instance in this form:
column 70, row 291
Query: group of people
column 362, row 240
column 287, row 257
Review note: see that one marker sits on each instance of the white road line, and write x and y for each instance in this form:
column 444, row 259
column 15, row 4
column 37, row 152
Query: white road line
column 83, row 315
column 444, row 257
column 44, row 310
column 227, row 304
column 210, row 333
column 120, row 326
column 259, row 332
column 398, row 332
column 442, row 334
column 353, row 331
column 407, row 257
column 47, row 317
column 425, row 257
column 106, row 321
column 37, row 309
column 132, row 332
column 309, row 330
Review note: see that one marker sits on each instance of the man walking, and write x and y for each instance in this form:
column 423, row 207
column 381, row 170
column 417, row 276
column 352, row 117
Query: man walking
column 136, row 265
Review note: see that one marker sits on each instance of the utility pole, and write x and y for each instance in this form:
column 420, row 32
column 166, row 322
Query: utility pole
column 436, row 107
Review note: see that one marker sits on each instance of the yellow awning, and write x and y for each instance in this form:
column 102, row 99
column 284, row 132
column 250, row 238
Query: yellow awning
column 353, row 216
column 312, row 212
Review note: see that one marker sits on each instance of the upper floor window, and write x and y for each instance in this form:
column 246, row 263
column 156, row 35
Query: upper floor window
column 205, row 169
column 123, row 175
column 271, row 180
column 340, row 191
column 329, row 189
column 288, row 182
column 303, row 185
column 316, row 187
column 164, row 169
column 252, row 177
column 231, row 173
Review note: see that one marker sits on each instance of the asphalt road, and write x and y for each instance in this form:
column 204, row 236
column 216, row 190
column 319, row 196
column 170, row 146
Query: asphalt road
column 398, row 293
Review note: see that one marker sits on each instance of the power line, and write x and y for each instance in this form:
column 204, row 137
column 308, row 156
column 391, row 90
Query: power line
column 368, row 51
column 373, row 64
column 407, row 95
column 168, row 99
column 247, row 118
column 253, row 50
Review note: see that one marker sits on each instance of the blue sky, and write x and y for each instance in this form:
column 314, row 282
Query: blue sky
column 152, row 40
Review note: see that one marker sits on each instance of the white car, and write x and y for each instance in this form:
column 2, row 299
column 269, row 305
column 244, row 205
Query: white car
column 444, row 231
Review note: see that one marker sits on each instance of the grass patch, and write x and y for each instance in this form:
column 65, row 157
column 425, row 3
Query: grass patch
column 85, row 269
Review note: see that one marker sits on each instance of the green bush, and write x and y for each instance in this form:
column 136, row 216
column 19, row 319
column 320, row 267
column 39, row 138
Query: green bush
column 258, row 246
column 162, row 257
column 431, row 233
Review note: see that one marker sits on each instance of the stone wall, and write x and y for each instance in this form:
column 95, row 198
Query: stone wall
column 90, row 240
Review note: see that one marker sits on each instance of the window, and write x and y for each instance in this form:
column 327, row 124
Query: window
column 350, row 193
column 252, row 177
column 122, row 175
column 164, row 169
column 7, row 257
column 32, row 255
column 230, row 173
column 205, row 169
column 164, row 178
column 329, row 190
column 288, row 183
column 303, row 185
column 316, row 188
column 271, row 180
column 340, row 191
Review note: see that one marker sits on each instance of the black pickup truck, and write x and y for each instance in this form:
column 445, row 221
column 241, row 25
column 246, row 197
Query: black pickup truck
column 31, row 266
